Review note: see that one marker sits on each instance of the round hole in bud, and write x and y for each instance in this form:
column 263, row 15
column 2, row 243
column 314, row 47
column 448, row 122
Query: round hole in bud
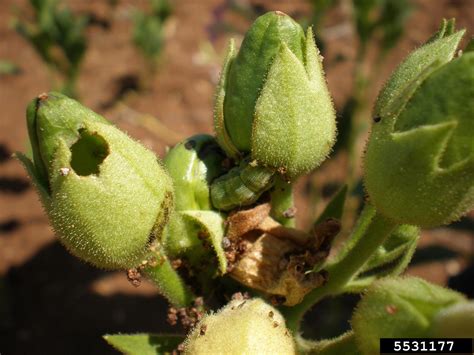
column 88, row 153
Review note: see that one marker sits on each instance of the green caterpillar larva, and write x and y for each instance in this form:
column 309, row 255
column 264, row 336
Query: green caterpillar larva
column 241, row 186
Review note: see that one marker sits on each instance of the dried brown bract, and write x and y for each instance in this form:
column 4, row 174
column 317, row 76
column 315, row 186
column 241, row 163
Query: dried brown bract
column 282, row 262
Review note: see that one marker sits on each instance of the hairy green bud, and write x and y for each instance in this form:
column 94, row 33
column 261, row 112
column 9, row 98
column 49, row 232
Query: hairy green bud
column 106, row 196
column 419, row 163
column 241, row 327
column 399, row 308
column 455, row 322
column 272, row 102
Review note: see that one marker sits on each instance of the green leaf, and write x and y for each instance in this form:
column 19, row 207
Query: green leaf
column 144, row 344
column 335, row 207
column 400, row 264
column 399, row 243
column 212, row 224
column 359, row 230
column 386, row 269
column 389, row 260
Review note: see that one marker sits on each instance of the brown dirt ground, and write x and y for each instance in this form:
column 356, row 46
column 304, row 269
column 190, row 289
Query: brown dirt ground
column 55, row 304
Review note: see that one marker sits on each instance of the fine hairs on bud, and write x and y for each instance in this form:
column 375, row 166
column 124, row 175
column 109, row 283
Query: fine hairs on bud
column 419, row 161
column 241, row 327
column 106, row 196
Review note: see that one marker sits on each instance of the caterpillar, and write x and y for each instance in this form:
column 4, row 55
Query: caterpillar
column 241, row 186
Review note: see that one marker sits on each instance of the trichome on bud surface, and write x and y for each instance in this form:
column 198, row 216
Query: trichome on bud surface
column 106, row 195
column 242, row 327
column 272, row 104
column 401, row 308
column 419, row 164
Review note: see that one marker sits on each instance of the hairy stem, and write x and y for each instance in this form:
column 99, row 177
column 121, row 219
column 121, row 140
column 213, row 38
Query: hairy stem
column 377, row 229
column 169, row 282
column 283, row 208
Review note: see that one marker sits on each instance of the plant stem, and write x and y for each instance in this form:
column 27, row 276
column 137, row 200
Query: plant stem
column 169, row 282
column 341, row 272
column 282, row 202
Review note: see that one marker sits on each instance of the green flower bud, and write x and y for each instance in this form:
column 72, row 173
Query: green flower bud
column 241, row 327
column 399, row 308
column 106, row 196
column 419, row 163
column 455, row 322
column 272, row 101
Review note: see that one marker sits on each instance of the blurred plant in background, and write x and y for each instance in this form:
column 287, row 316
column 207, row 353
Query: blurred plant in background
column 148, row 33
column 7, row 67
column 379, row 23
column 58, row 36
column 376, row 24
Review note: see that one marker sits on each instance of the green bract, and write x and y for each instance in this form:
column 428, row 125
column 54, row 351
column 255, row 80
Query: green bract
column 272, row 101
column 192, row 165
column 419, row 164
column 106, row 195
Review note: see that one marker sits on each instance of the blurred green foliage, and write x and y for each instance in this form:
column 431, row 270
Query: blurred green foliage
column 8, row 68
column 383, row 17
column 148, row 31
column 377, row 23
column 58, row 36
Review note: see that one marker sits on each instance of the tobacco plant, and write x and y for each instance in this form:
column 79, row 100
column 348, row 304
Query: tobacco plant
column 148, row 32
column 58, row 36
column 216, row 219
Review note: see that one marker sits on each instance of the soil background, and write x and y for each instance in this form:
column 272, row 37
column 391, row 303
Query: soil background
column 51, row 303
